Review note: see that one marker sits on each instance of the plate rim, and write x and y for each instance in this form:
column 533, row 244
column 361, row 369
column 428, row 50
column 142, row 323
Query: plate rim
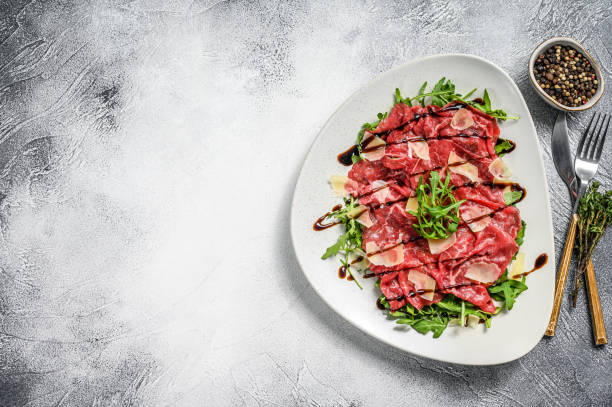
column 546, row 194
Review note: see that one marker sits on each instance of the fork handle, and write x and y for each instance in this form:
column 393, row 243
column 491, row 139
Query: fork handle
column 599, row 329
column 562, row 276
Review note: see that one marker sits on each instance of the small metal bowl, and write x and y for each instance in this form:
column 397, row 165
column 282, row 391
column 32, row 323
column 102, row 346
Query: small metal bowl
column 576, row 45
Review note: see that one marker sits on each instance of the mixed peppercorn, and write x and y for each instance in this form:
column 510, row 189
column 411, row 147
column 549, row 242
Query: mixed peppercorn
column 565, row 75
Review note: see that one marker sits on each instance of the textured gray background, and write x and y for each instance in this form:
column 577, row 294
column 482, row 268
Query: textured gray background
column 148, row 155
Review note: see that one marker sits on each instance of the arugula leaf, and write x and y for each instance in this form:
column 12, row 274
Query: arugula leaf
column 521, row 233
column 511, row 196
column 503, row 146
column 420, row 97
column 335, row 248
column 398, row 96
column 487, row 101
column 350, row 242
column 507, row 290
column 438, row 211
column 486, row 107
column 467, row 95
column 437, row 325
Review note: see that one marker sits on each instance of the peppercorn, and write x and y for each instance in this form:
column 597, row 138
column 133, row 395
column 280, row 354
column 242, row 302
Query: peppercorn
column 565, row 75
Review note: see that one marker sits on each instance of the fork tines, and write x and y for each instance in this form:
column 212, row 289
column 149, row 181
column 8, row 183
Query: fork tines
column 591, row 144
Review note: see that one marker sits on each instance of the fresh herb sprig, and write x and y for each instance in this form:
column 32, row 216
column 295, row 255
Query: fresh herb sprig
column 594, row 217
column 349, row 243
column 438, row 211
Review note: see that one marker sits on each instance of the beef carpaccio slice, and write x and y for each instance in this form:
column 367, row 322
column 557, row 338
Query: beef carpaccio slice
column 455, row 140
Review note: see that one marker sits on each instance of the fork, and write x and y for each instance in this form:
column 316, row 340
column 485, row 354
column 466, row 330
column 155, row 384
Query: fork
column 585, row 165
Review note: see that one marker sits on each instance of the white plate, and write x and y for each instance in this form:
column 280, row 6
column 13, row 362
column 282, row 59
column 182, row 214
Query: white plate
column 513, row 333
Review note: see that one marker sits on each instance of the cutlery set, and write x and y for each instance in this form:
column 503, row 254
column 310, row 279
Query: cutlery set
column 577, row 179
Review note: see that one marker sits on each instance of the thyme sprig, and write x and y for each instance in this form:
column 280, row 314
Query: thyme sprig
column 438, row 211
column 594, row 216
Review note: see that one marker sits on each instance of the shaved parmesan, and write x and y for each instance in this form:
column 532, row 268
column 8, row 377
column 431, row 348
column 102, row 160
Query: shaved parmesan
column 365, row 219
column 362, row 214
column 383, row 192
column 472, row 321
column 371, row 247
column 422, row 281
column 375, row 149
column 339, row 184
column 356, row 212
column 518, row 267
column 437, row 246
column 468, row 170
column 420, row 149
column 462, row 119
column 454, row 158
column 500, row 171
column 412, row 204
column 454, row 322
column 385, row 257
column 476, row 212
column 483, row 272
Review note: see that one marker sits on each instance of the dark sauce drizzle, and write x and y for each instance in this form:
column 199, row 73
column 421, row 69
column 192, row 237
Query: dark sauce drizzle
column 342, row 271
column 540, row 262
column 319, row 223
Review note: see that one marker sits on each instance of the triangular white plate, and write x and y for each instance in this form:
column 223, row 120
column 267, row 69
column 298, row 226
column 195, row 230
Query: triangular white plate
column 513, row 333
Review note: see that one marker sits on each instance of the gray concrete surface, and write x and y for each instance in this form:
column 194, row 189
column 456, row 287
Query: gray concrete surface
column 148, row 155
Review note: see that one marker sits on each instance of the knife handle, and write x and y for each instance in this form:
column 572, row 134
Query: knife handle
column 562, row 276
column 599, row 329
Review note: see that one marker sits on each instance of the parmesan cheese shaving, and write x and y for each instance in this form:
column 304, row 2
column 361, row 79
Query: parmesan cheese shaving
column 437, row 246
column 339, row 184
column 499, row 170
column 472, row 321
column 377, row 147
column 380, row 195
column 475, row 212
column 454, row 158
column 412, row 204
column 362, row 214
column 468, row 170
column 422, row 281
column 387, row 257
column 482, row 272
column 518, row 267
column 420, row 149
column 462, row 119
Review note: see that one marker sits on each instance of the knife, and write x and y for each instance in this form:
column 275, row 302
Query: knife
column 562, row 156
column 564, row 163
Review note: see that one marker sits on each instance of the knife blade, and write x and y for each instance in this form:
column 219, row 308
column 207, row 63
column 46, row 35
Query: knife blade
column 562, row 156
